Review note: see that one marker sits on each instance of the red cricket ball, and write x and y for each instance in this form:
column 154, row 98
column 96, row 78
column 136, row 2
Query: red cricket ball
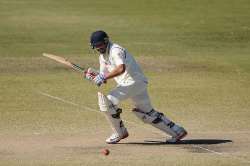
column 105, row 152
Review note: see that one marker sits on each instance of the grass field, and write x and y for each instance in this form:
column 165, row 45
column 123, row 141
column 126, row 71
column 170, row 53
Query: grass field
column 196, row 55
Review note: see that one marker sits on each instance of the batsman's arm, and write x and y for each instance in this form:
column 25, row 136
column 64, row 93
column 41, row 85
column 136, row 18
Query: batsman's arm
column 120, row 69
column 119, row 57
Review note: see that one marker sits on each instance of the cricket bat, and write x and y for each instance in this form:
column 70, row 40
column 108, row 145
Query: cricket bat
column 65, row 62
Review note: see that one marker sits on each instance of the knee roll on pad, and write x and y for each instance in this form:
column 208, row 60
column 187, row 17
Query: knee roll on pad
column 106, row 105
column 112, row 113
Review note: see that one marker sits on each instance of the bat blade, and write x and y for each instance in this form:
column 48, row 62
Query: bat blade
column 64, row 61
column 57, row 58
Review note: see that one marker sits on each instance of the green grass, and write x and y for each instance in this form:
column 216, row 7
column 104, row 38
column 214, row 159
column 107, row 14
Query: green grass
column 195, row 53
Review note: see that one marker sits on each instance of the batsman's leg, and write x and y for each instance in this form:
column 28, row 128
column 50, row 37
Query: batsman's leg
column 112, row 114
column 147, row 114
column 160, row 121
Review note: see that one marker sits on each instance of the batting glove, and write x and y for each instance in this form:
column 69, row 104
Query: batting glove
column 99, row 79
column 90, row 74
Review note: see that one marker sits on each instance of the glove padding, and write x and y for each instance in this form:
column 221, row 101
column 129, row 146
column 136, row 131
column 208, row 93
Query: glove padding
column 90, row 74
column 94, row 76
column 99, row 79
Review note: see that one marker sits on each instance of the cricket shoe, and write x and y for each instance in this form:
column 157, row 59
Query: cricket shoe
column 115, row 137
column 181, row 133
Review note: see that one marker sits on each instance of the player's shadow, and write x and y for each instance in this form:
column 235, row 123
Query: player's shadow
column 182, row 142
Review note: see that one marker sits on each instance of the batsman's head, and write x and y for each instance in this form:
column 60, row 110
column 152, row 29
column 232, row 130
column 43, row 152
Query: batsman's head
column 99, row 40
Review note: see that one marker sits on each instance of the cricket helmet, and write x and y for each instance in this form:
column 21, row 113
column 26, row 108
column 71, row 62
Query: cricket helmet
column 98, row 37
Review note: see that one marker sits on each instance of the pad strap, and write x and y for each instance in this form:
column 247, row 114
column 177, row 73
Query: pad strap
column 156, row 119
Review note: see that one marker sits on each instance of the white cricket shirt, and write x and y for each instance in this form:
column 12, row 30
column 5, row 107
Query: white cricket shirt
column 117, row 55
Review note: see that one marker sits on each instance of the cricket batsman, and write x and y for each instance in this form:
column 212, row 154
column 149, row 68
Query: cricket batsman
column 117, row 63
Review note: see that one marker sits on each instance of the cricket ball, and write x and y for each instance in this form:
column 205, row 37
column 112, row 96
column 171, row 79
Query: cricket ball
column 105, row 152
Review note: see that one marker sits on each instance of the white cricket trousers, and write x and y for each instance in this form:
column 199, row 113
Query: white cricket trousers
column 137, row 92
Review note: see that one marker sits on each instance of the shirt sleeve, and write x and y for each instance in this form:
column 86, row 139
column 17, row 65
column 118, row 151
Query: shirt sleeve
column 119, row 56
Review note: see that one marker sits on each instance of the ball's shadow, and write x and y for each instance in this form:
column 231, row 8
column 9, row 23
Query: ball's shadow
column 182, row 142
